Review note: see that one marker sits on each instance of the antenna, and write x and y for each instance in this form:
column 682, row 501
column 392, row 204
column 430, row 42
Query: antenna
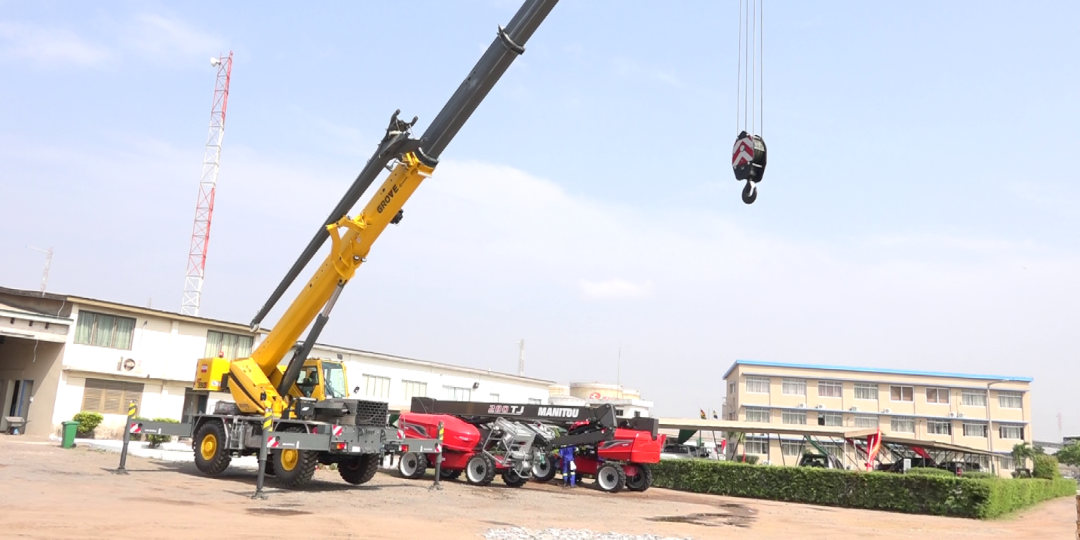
column 48, row 261
column 204, row 206
column 521, row 357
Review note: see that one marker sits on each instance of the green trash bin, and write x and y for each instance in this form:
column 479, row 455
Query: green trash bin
column 69, row 434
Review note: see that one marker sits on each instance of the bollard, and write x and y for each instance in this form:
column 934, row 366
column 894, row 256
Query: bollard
column 132, row 409
column 438, row 459
column 267, row 431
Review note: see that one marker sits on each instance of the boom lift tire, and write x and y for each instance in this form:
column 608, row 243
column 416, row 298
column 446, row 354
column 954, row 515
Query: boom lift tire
column 211, row 456
column 412, row 465
column 294, row 468
column 449, row 475
column 480, row 470
column 359, row 469
column 513, row 479
column 544, row 472
column 610, row 477
column 640, row 481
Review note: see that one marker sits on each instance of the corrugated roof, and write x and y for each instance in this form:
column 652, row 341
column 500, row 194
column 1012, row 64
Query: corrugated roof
column 873, row 370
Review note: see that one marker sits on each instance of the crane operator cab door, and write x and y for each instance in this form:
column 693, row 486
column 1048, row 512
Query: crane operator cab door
column 322, row 379
column 748, row 159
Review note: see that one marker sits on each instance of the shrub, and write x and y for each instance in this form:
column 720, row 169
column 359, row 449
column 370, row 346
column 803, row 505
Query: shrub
column 909, row 493
column 156, row 440
column 88, row 422
column 1046, row 467
column 930, row 471
column 979, row 474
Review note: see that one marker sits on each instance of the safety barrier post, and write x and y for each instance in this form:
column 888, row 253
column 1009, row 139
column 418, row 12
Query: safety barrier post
column 132, row 409
column 438, row 459
column 267, row 432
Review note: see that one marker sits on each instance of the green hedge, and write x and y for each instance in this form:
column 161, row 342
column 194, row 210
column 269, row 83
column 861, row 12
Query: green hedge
column 914, row 494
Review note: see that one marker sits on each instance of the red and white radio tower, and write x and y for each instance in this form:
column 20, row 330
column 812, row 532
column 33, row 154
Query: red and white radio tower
column 204, row 208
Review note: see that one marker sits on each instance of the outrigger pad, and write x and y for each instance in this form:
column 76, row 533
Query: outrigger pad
column 748, row 157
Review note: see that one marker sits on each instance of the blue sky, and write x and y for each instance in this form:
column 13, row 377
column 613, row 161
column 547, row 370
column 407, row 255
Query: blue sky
column 918, row 211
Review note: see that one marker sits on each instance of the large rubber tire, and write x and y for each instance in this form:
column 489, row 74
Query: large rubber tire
column 211, row 456
column 640, row 481
column 359, row 469
column 480, row 470
column 412, row 465
column 545, row 472
column 513, row 479
column 294, row 468
column 610, row 477
column 449, row 475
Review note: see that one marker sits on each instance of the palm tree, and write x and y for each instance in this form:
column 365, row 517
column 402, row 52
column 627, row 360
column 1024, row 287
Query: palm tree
column 1021, row 453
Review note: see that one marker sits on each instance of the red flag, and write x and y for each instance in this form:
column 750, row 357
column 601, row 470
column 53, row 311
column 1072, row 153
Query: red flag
column 873, row 445
column 702, row 414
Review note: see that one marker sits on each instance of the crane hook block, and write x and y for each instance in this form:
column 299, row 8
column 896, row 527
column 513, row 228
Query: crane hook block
column 748, row 157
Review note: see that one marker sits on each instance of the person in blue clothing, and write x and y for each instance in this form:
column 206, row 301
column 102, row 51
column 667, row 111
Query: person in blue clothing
column 569, row 468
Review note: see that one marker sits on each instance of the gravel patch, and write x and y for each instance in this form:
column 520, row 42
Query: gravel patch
column 520, row 533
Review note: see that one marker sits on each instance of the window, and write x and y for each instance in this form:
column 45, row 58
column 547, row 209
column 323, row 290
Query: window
column 835, row 450
column 731, row 389
column 1006, row 462
column 1010, row 400
column 413, row 389
column 975, row 430
column 865, row 391
column 233, row 346
column 937, row 395
column 1011, row 432
column 866, row 421
column 757, row 415
column 794, row 387
column 792, row 448
column 377, row 387
column 939, row 427
column 110, row 397
column 903, row 424
column 756, row 446
column 902, row 393
column 494, row 398
column 455, row 393
column 534, row 401
column 757, row 385
column 830, row 419
column 104, row 330
column 794, row 417
column 973, row 398
column 830, row 389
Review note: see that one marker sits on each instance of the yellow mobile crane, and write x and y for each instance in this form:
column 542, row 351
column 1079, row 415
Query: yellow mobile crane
column 315, row 421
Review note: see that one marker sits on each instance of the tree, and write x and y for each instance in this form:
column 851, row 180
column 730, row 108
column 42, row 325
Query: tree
column 1070, row 455
column 1046, row 466
column 1021, row 453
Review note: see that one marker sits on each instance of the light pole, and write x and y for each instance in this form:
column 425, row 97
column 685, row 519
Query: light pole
column 990, row 425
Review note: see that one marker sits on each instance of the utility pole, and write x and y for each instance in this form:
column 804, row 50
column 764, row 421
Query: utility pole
column 45, row 272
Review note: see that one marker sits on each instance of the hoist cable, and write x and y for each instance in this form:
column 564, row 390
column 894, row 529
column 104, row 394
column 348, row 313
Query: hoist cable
column 753, row 72
column 746, row 64
column 738, row 76
column 761, row 40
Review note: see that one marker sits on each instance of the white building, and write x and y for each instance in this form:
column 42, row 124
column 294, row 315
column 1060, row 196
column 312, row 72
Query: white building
column 627, row 402
column 62, row 354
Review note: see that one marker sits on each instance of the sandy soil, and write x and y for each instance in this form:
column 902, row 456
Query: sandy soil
column 51, row 493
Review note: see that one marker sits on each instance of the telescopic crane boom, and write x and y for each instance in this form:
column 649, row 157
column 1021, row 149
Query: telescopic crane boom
column 409, row 161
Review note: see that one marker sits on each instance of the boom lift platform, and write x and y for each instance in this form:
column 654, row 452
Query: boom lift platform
column 320, row 424
column 517, row 440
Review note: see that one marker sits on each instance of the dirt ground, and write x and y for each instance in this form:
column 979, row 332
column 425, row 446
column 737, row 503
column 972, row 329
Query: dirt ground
column 51, row 493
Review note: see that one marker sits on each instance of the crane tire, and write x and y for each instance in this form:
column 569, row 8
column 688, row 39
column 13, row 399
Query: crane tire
column 611, row 477
column 359, row 469
column 211, row 456
column 294, row 468
column 480, row 470
column 642, row 480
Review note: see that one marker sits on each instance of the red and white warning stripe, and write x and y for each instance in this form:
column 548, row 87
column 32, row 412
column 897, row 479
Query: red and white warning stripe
column 272, row 442
column 336, row 430
column 400, row 434
column 135, row 427
column 438, row 448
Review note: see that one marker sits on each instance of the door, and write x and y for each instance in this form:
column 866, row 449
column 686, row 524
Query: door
column 194, row 403
column 20, row 399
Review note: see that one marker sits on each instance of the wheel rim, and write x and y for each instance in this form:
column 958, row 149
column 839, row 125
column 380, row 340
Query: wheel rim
column 635, row 481
column 607, row 478
column 289, row 459
column 477, row 470
column 408, row 464
column 541, row 469
column 208, row 448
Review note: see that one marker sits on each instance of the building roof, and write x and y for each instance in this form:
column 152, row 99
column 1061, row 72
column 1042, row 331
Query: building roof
column 801, row 430
column 874, row 370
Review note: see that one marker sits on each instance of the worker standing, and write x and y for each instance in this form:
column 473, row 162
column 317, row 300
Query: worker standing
column 569, row 468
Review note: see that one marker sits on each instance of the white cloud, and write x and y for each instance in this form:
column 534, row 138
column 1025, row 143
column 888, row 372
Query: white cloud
column 44, row 45
column 614, row 288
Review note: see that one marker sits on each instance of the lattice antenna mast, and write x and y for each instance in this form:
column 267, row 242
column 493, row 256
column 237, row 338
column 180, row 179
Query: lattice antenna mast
column 204, row 207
